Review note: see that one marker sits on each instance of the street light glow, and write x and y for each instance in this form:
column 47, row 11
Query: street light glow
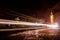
column 53, row 26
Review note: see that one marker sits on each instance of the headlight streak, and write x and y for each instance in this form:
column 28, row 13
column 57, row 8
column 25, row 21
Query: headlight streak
column 31, row 24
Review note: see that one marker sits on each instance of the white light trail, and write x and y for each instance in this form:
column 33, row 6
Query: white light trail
column 31, row 24
column 23, row 23
column 2, row 21
column 53, row 26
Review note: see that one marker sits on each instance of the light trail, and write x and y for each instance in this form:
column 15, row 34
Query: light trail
column 21, row 29
column 23, row 23
column 29, row 24
column 2, row 21
column 53, row 26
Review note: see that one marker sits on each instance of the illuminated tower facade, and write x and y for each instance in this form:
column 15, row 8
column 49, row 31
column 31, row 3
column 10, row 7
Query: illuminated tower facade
column 51, row 18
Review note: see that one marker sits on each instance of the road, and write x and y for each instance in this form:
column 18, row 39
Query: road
column 34, row 34
column 28, row 28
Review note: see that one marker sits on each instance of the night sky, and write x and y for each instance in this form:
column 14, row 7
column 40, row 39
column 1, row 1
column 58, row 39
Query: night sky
column 37, row 9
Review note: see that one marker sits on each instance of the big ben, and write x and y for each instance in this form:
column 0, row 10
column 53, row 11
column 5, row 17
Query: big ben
column 51, row 18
